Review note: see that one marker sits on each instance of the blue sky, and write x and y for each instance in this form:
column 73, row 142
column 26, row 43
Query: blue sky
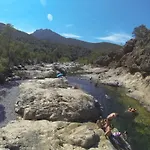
column 88, row 20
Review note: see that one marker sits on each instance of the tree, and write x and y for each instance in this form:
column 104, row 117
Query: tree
column 140, row 32
column 7, row 34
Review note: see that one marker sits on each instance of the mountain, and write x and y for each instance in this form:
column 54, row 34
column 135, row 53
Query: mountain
column 28, row 39
column 27, row 47
column 2, row 25
column 18, row 47
column 48, row 42
column 20, row 35
column 54, row 38
column 49, row 35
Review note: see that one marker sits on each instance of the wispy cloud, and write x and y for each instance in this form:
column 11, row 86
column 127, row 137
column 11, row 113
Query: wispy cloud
column 69, row 25
column 116, row 38
column 50, row 17
column 24, row 30
column 43, row 2
column 70, row 35
column 30, row 32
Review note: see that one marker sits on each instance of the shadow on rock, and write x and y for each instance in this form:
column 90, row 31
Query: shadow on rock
column 2, row 113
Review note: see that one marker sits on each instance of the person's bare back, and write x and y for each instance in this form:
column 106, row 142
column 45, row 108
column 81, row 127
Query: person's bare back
column 112, row 116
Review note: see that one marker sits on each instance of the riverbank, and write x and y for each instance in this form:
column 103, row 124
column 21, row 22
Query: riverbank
column 135, row 85
column 52, row 115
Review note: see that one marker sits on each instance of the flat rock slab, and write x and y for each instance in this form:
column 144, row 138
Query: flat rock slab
column 54, row 100
column 45, row 135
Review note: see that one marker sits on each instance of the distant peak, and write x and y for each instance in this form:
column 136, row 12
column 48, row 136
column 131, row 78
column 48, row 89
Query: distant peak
column 43, row 30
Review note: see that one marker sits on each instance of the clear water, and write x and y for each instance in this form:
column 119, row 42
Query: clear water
column 115, row 100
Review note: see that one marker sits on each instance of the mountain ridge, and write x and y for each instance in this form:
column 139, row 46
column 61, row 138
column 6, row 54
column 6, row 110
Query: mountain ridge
column 51, row 36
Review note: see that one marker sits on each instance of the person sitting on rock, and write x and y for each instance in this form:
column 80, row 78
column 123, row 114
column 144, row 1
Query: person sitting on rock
column 101, row 123
column 108, row 132
column 118, row 139
column 110, row 117
column 115, row 136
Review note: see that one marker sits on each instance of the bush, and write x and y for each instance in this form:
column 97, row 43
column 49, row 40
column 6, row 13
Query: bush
column 3, row 69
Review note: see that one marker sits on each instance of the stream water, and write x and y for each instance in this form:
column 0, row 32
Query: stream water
column 112, row 100
column 115, row 100
column 7, row 103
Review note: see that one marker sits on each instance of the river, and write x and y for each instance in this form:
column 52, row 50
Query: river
column 7, row 102
column 112, row 100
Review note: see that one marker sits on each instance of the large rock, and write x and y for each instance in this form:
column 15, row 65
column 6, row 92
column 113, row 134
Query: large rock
column 68, row 67
column 129, row 46
column 53, row 99
column 103, row 60
column 42, row 71
column 137, row 55
column 137, row 61
column 45, row 135
column 112, row 83
column 134, row 55
column 111, row 59
column 38, row 72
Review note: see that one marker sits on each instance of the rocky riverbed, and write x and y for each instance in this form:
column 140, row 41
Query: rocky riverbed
column 53, row 116
column 136, row 86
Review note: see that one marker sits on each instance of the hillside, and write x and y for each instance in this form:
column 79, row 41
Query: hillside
column 38, row 45
column 135, row 54
column 58, row 48
column 17, row 47
column 49, row 35
column 19, row 35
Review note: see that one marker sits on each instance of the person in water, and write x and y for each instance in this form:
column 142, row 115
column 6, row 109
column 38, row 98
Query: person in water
column 130, row 109
column 130, row 113
column 128, row 117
